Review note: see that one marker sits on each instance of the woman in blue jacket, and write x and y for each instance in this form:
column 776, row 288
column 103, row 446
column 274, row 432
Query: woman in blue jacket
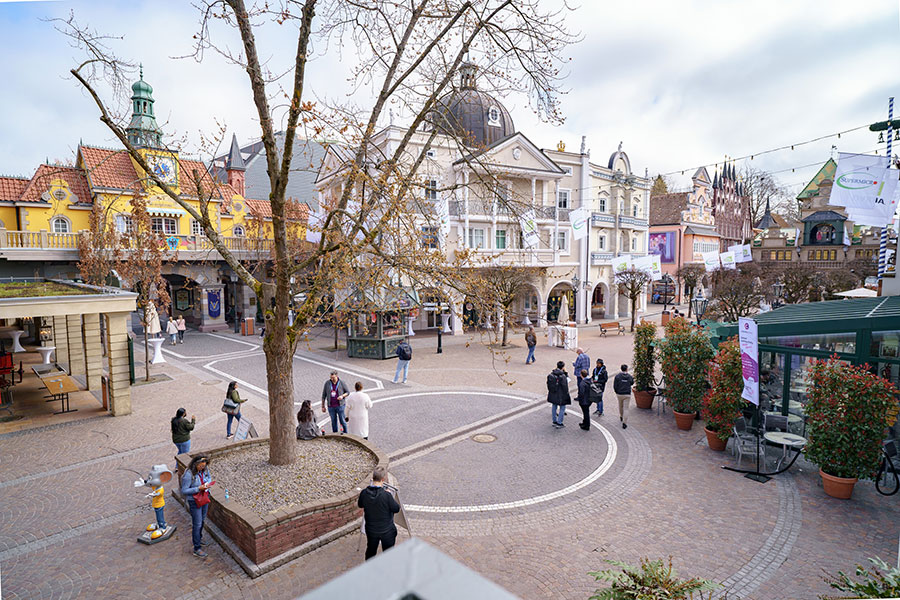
column 197, row 479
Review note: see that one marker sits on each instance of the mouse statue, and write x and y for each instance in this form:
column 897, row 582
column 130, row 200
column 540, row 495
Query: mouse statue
column 159, row 531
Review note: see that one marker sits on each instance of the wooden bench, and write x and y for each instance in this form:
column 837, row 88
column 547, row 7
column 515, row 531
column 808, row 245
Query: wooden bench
column 611, row 326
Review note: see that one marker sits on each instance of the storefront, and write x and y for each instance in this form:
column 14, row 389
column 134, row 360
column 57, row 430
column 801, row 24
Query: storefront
column 378, row 321
column 791, row 338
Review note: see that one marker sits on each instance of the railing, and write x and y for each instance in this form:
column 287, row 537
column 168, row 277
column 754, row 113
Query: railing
column 44, row 240
column 632, row 221
column 599, row 219
column 599, row 258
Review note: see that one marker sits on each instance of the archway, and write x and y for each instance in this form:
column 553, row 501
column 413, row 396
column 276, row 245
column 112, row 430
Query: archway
column 434, row 301
column 554, row 301
column 598, row 301
column 184, row 297
column 527, row 305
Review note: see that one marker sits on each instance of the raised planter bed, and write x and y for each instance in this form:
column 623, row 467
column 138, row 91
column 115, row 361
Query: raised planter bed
column 262, row 543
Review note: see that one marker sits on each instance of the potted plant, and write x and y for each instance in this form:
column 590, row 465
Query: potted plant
column 643, row 364
column 847, row 412
column 722, row 402
column 652, row 580
column 684, row 355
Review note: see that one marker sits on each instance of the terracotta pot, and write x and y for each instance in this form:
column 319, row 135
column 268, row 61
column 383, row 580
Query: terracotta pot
column 644, row 399
column 837, row 487
column 684, row 421
column 714, row 442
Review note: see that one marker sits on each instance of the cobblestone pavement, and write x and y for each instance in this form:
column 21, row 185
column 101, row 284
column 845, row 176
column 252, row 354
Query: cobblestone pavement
column 534, row 510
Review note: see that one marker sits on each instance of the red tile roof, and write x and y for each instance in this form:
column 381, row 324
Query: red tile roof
column 11, row 188
column 45, row 174
column 295, row 211
column 108, row 168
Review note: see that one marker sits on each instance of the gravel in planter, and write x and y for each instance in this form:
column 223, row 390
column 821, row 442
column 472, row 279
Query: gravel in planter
column 324, row 468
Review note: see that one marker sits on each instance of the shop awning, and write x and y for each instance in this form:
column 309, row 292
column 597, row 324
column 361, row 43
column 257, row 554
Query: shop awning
column 156, row 211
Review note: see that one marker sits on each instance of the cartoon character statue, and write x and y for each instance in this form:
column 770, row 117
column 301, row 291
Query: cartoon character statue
column 159, row 531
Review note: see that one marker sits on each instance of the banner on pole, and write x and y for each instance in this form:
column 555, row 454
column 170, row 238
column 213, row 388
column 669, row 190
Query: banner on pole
column 710, row 260
column 867, row 187
column 530, row 236
column 741, row 253
column 728, row 260
column 621, row 263
column 747, row 338
column 579, row 219
column 650, row 265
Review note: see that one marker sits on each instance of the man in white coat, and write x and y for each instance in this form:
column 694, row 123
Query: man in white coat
column 358, row 405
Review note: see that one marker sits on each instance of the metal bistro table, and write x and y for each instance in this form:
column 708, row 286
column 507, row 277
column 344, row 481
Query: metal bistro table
column 785, row 440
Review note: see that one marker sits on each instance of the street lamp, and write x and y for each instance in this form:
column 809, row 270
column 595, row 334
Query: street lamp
column 666, row 281
column 777, row 291
column 234, row 280
column 699, row 305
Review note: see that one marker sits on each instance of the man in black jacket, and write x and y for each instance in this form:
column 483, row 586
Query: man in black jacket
column 334, row 393
column 558, row 393
column 599, row 379
column 622, row 387
column 379, row 508
column 584, row 399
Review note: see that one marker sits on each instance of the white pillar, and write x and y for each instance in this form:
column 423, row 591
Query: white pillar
column 457, row 317
column 542, row 314
column 612, row 302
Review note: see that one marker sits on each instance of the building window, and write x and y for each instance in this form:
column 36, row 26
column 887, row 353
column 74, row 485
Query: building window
column 431, row 190
column 634, row 243
column 238, row 231
column 562, row 199
column 773, row 255
column 634, row 209
column 494, row 116
column 601, row 203
column 196, row 227
column 430, row 238
column 429, row 153
column 601, row 242
column 500, row 239
column 60, row 225
column 531, row 302
column 476, row 237
column 568, row 170
column 164, row 226
column 621, row 206
column 700, row 246
column 124, row 224
column 562, row 240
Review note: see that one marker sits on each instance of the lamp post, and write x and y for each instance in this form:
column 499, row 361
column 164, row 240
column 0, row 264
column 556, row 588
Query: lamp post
column 237, row 325
column 439, row 310
column 666, row 281
column 777, row 291
column 699, row 305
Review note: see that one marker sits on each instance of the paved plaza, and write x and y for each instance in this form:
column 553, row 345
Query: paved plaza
column 530, row 507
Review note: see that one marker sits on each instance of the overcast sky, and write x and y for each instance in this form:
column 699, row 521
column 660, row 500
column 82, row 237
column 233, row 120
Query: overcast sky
column 681, row 83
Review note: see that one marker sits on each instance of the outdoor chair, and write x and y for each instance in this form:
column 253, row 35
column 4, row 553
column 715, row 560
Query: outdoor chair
column 744, row 441
column 660, row 395
column 775, row 423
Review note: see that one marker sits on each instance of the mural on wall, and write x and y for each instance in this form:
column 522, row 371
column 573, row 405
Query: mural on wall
column 663, row 244
column 214, row 300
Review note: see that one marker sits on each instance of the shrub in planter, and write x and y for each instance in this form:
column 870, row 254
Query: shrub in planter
column 722, row 402
column 684, row 355
column 643, row 364
column 878, row 581
column 847, row 412
column 652, row 580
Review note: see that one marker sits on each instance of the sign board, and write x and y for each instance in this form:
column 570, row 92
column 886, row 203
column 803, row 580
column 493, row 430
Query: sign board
column 579, row 218
column 741, row 253
column 245, row 427
column 728, row 260
column 867, row 186
column 621, row 263
column 530, row 236
column 710, row 260
column 663, row 244
column 747, row 337
column 650, row 265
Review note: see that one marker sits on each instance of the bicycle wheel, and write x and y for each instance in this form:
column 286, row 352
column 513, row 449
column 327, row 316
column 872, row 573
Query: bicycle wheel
column 887, row 483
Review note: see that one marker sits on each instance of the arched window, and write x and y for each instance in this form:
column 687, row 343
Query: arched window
column 60, row 225
column 494, row 115
column 238, row 231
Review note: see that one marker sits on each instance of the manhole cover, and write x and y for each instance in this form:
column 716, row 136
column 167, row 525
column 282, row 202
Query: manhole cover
column 484, row 438
column 212, row 382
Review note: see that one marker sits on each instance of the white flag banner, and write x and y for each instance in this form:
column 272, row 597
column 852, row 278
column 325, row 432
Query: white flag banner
column 728, row 260
column 530, row 235
column 314, row 224
column 867, row 187
column 846, row 236
column 656, row 265
column 579, row 218
column 621, row 263
column 741, row 252
column 749, row 342
column 710, row 260
column 650, row 265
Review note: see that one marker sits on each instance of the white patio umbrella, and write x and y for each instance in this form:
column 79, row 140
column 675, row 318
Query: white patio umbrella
column 858, row 293
column 563, row 317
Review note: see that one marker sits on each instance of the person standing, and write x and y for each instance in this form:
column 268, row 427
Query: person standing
column 404, row 355
column 194, row 482
column 622, row 383
column 172, row 331
column 358, row 405
column 334, row 392
column 558, row 393
column 379, row 508
column 584, row 400
column 306, row 424
column 232, row 407
column 599, row 378
column 181, row 431
column 182, row 327
column 531, row 342
column 582, row 363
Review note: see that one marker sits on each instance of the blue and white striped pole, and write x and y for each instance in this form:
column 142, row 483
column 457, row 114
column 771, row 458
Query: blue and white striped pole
column 882, row 247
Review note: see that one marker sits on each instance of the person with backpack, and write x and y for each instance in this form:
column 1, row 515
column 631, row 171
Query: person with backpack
column 584, row 399
column 558, row 393
column 622, row 387
column 404, row 355
column 598, row 385
column 531, row 342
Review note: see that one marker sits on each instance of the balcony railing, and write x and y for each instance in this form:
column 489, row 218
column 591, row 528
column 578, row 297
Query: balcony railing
column 601, row 219
column 625, row 221
column 601, row 258
column 45, row 240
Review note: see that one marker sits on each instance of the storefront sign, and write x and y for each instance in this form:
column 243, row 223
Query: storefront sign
column 245, row 428
column 747, row 337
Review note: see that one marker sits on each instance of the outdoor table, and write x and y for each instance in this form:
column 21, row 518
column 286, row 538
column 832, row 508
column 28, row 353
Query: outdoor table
column 157, row 350
column 562, row 337
column 785, row 440
column 15, row 334
column 60, row 387
column 47, row 370
column 46, row 351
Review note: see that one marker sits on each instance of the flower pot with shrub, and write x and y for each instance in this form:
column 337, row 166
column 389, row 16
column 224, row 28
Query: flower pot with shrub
column 643, row 364
column 722, row 402
column 847, row 412
column 652, row 580
column 684, row 355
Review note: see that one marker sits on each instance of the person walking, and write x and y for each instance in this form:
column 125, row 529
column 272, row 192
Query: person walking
column 358, row 405
column 379, row 508
column 404, row 355
column 582, row 363
column 182, row 327
column 598, row 379
column 622, row 383
column 306, row 424
column 584, row 400
column 334, row 392
column 172, row 331
column 558, row 393
column 531, row 342
column 195, row 484
column 181, row 431
column 232, row 407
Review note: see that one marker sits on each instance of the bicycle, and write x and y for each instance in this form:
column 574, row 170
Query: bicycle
column 887, row 481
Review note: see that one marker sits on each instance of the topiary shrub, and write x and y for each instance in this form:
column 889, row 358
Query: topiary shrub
column 684, row 355
column 643, row 363
column 722, row 402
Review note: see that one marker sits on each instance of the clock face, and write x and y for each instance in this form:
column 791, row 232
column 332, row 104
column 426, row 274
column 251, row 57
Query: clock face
column 164, row 168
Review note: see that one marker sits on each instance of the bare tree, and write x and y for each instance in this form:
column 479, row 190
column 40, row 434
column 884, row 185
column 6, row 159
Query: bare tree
column 632, row 283
column 501, row 286
column 764, row 189
column 737, row 292
column 799, row 282
column 691, row 275
column 409, row 54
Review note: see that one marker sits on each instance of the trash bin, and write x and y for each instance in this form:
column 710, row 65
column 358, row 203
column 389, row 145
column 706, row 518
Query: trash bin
column 104, row 388
column 666, row 315
column 247, row 326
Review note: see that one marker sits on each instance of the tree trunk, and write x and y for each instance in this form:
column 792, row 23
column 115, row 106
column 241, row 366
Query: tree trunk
column 690, row 295
column 633, row 312
column 505, row 326
column 146, row 355
column 280, row 377
column 336, row 335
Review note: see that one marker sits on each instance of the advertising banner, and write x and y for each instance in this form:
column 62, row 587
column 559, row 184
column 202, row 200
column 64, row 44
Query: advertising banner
column 529, row 226
column 741, row 253
column 621, row 263
column 747, row 338
column 579, row 219
column 663, row 244
column 710, row 260
column 867, row 187
column 650, row 265
column 728, row 260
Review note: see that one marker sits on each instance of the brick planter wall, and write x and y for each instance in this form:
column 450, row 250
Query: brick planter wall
column 263, row 539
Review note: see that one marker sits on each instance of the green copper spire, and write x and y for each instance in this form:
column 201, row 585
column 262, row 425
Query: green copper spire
column 143, row 131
